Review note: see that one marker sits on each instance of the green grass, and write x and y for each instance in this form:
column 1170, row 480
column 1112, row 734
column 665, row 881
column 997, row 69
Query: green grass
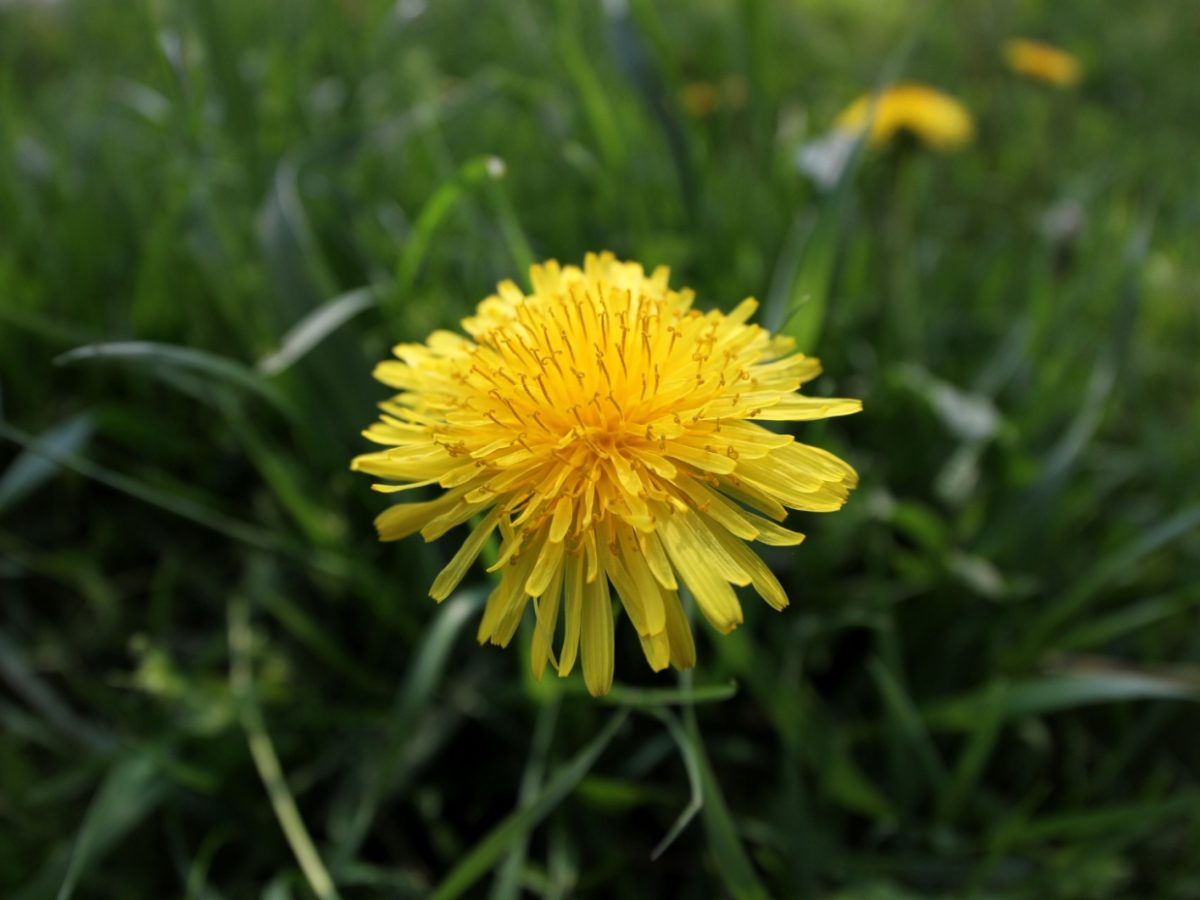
column 215, row 683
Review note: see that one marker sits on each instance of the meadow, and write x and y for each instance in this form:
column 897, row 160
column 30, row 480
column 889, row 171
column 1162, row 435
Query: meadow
column 215, row 681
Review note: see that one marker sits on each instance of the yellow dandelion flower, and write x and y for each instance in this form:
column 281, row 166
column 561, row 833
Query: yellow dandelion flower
column 609, row 432
column 936, row 118
column 1043, row 62
column 700, row 99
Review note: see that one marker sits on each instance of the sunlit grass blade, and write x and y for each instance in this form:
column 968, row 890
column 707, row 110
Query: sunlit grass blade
column 799, row 294
column 235, row 529
column 515, row 236
column 691, row 764
column 485, row 854
column 636, row 32
column 308, row 632
column 984, row 731
column 147, row 353
column 1129, row 618
column 1138, row 817
column 354, row 815
column 1077, row 686
column 222, row 58
column 909, row 725
column 130, row 791
column 266, row 760
column 437, row 208
column 798, row 300
column 27, row 684
column 507, row 885
column 35, row 466
column 281, row 473
column 733, row 865
column 295, row 259
column 634, row 697
column 316, row 326
column 1065, row 455
column 606, row 128
column 45, row 327
column 1107, row 570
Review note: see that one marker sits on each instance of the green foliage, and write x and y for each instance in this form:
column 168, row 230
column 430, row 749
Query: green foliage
column 216, row 216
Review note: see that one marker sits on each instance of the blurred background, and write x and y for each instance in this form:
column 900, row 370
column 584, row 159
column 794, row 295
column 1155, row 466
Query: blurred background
column 217, row 215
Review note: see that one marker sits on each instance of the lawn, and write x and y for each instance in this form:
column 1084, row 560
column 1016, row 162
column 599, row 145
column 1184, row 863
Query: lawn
column 216, row 682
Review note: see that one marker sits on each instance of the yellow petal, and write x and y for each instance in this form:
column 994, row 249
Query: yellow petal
column 644, row 583
column 573, row 604
column 700, row 458
column 403, row 519
column 715, row 597
column 763, row 579
column 448, row 579
column 549, row 561
column 718, row 509
column 656, row 559
column 546, row 611
column 561, row 522
column 597, row 638
column 657, row 648
column 798, row 408
column 679, row 633
column 689, row 528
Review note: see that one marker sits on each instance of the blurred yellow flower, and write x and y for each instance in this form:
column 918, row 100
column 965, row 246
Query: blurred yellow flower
column 700, row 99
column 936, row 118
column 609, row 431
column 1042, row 61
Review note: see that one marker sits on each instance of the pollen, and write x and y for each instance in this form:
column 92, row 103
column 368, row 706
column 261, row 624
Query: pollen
column 609, row 433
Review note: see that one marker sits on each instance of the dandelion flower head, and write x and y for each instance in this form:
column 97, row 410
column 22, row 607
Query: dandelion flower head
column 1043, row 62
column 938, row 120
column 610, row 433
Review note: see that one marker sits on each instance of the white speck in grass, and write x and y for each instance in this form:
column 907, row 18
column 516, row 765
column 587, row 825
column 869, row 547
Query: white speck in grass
column 407, row 10
column 825, row 158
column 1062, row 221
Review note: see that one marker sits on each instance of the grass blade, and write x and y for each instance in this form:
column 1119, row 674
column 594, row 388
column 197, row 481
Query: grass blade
column 507, row 885
column 234, row 529
column 219, row 368
column 733, row 865
column 908, row 722
column 1135, row 616
column 24, row 682
column 266, row 761
column 798, row 299
column 471, row 174
column 35, row 465
column 132, row 788
column 1108, row 570
column 640, row 698
column 695, row 781
column 984, row 732
column 480, row 859
column 421, row 680
column 316, row 326
column 1081, row 685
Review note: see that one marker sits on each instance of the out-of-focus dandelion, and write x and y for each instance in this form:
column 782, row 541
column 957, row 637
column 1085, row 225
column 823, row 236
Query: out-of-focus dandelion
column 610, row 433
column 933, row 117
column 1042, row 62
column 701, row 99
column 938, row 120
